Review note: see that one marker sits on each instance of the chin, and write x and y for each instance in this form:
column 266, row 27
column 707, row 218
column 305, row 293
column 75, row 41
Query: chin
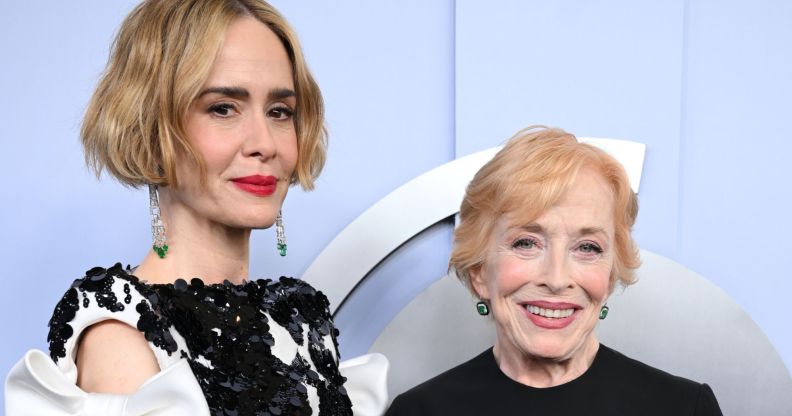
column 252, row 222
column 554, row 352
column 260, row 224
column 549, row 348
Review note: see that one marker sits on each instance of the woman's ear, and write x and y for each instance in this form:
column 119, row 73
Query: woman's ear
column 478, row 283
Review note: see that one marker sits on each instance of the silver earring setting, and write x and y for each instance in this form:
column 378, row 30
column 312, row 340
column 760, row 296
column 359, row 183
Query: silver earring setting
column 281, row 236
column 157, row 227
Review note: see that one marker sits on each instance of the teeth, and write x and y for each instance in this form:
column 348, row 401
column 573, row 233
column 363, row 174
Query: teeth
column 549, row 313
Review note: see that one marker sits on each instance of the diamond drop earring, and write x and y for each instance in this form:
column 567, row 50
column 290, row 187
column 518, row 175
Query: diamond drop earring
column 157, row 227
column 281, row 236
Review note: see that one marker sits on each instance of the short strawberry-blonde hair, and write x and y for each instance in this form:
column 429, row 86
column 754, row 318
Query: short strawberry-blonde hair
column 528, row 176
column 163, row 53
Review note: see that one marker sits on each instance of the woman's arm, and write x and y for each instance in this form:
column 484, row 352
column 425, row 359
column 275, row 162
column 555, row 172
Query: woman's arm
column 113, row 357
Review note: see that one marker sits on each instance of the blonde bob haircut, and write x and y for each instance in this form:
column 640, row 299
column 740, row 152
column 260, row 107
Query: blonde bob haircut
column 528, row 176
column 159, row 61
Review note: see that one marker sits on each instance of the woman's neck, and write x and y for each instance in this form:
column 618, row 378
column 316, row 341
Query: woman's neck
column 197, row 247
column 543, row 372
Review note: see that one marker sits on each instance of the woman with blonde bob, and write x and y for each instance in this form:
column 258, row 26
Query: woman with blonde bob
column 209, row 104
column 543, row 240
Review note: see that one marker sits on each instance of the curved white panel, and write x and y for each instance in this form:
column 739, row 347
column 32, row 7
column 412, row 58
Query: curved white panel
column 629, row 154
column 413, row 207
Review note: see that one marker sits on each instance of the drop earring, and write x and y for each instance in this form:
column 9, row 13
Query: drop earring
column 157, row 227
column 482, row 308
column 604, row 312
column 280, row 235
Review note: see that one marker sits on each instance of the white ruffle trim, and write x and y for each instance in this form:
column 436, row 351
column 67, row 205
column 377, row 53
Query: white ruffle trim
column 367, row 383
column 35, row 386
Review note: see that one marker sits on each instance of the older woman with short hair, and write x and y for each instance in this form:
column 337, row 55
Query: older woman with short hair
column 543, row 240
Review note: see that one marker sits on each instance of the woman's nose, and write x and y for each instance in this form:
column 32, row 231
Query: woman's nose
column 556, row 275
column 259, row 139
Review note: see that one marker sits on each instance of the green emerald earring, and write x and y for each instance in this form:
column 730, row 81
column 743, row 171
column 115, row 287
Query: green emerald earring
column 604, row 312
column 280, row 234
column 482, row 308
column 157, row 227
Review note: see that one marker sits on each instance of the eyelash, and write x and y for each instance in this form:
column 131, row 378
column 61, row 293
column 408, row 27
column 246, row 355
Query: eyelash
column 525, row 243
column 530, row 243
column 287, row 112
column 216, row 108
column 590, row 248
column 279, row 113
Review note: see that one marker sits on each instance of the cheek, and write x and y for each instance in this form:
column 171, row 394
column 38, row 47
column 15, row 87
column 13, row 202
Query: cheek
column 288, row 152
column 214, row 149
column 215, row 145
column 185, row 168
column 595, row 281
column 216, row 154
column 509, row 275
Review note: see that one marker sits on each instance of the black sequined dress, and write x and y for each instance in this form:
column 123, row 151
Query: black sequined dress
column 259, row 348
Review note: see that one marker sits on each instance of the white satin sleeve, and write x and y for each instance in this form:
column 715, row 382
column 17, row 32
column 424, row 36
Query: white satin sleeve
column 35, row 386
column 367, row 383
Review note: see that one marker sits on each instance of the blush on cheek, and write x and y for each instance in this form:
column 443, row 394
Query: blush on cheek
column 511, row 274
column 597, row 285
column 215, row 151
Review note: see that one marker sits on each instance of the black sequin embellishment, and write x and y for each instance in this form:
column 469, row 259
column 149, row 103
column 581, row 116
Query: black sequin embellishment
column 99, row 283
column 227, row 332
column 226, row 325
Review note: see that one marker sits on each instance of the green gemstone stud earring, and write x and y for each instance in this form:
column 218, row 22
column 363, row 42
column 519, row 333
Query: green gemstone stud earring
column 604, row 312
column 482, row 308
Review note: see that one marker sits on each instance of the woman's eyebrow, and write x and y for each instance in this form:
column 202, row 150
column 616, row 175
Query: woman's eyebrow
column 281, row 93
column 239, row 92
column 532, row 228
column 536, row 228
column 233, row 92
column 592, row 230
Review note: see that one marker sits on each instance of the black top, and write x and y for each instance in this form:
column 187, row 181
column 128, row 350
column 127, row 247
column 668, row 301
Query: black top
column 613, row 385
column 226, row 334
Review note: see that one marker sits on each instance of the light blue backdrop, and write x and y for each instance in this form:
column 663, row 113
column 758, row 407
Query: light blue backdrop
column 409, row 86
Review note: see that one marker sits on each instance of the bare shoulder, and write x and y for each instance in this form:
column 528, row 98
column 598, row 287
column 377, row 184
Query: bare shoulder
column 113, row 357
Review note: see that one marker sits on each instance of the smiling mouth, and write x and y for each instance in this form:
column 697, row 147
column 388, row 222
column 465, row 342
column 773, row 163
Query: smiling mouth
column 550, row 313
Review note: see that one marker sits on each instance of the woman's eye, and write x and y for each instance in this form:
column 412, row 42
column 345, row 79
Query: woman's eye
column 221, row 110
column 525, row 243
column 281, row 113
column 590, row 248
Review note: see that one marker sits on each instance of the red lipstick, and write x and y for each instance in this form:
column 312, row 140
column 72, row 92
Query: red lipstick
column 257, row 184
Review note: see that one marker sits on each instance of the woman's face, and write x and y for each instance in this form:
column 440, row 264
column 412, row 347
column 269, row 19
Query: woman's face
column 242, row 126
column 547, row 280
